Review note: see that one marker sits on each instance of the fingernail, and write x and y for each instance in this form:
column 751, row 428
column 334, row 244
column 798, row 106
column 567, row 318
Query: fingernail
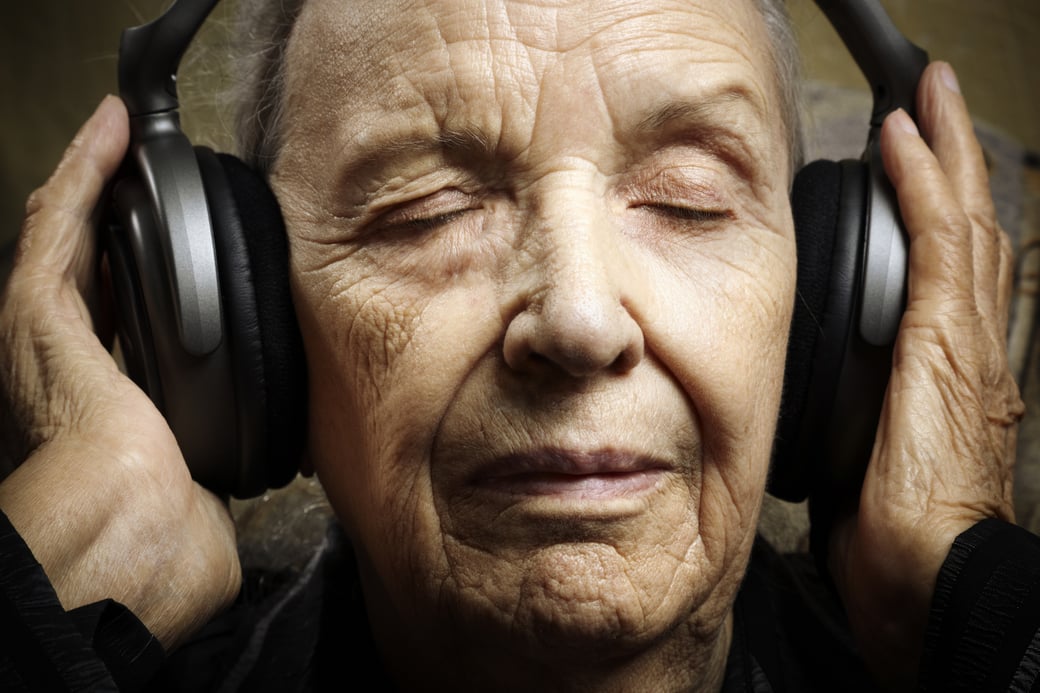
column 904, row 122
column 949, row 78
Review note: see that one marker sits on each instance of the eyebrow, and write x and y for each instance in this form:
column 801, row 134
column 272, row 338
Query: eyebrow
column 699, row 111
column 708, row 121
column 467, row 144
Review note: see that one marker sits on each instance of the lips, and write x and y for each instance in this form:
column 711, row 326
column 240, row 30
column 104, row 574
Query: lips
column 603, row 474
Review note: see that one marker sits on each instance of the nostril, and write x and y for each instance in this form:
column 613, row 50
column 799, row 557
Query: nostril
column 629, row 357
column 580, row 358
column 536, row 340
column 516, row 347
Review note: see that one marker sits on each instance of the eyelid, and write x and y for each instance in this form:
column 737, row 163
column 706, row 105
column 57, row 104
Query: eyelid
column 682, row 186
column 442, row 203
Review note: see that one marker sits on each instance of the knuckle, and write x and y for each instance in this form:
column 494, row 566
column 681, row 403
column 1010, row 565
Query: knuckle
column 37, row 211
column 35, row 203
column 985, row 222
column 35, row 208
column 953, row 223
column 49, row 198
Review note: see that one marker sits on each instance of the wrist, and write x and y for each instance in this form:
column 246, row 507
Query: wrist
column 107, row 528
column 886, row 577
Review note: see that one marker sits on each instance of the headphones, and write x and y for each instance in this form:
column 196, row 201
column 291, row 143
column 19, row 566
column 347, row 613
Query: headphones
column 199, row 261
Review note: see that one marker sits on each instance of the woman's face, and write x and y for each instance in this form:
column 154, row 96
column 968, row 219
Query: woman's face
column 543, row 262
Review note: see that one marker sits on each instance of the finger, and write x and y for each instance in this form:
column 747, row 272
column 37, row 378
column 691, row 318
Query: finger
column 58, row 235
column 941, row 254
column 947, row 127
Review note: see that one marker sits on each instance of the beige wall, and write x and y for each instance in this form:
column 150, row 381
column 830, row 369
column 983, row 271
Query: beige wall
column 58, row 58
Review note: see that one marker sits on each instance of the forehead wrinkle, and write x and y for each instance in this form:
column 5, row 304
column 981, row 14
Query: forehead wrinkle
column 436, row 90
column 730, row 98
column 477, row 59
column 717, row 55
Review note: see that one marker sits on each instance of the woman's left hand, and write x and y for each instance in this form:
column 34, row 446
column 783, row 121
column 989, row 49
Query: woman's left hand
column 945, row 447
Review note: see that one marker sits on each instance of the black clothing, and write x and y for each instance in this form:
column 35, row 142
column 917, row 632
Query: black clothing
column 98, row 647
column 983, row 628
column 308, row 632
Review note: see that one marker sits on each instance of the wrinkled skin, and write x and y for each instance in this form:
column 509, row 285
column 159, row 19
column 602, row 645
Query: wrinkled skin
column 543, row 261
column 544, row 273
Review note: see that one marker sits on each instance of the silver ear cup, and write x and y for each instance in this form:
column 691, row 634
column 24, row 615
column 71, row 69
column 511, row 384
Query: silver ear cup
column 886, row 258
column 193, row 392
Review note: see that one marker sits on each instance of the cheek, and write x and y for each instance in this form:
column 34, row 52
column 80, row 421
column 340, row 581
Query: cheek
column 724, row 337
column 386, row 357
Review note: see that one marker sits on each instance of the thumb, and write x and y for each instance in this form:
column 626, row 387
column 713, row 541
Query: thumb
column 49, row 350
column 57, row 240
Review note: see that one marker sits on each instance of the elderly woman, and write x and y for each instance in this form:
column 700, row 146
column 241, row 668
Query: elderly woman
column 543, row 261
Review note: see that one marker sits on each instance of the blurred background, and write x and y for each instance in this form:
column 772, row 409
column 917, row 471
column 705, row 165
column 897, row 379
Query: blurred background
column 59, row 59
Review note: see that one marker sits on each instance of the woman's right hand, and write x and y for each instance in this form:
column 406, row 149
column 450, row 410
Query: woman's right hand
column 100, row 492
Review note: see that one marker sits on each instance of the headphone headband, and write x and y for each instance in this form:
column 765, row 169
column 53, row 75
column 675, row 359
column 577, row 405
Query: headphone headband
column 149, row 56
column 891, row 63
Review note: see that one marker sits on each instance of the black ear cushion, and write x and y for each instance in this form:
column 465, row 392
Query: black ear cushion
column 268, row 359
column 815, row 202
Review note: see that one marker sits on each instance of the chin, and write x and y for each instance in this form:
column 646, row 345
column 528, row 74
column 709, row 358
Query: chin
column 586, row 597
column 563, row 586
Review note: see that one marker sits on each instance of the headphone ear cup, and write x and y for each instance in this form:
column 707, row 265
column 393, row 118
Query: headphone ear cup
column 828, row 204
column 194, row 391
column 130, row 228
column 267, row 359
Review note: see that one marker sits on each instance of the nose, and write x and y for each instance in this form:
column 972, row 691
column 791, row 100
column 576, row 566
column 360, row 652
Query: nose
column 578, row 314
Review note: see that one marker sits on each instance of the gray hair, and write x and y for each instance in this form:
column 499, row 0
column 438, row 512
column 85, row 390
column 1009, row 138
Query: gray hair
column 263, row 33
column 787, row 66
column 265, row 26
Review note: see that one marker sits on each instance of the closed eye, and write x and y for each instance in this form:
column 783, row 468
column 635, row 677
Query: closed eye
column 693, row 214
column 431, row 212
column 419, row 224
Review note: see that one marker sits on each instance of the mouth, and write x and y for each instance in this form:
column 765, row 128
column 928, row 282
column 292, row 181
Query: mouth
column 570, row 475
